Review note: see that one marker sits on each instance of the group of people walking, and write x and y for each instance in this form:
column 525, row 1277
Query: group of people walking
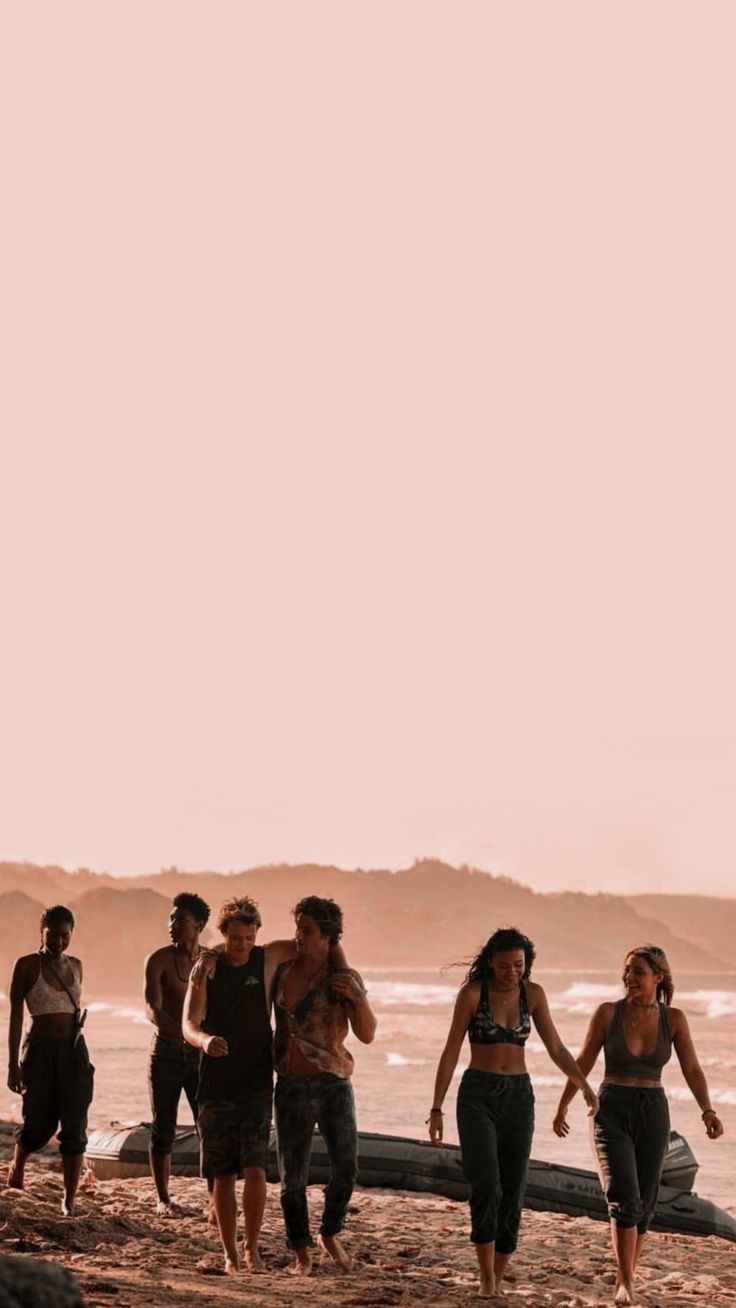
column 211, row 1010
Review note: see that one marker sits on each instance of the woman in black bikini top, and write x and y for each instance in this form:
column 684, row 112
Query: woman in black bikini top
column 495, row 1009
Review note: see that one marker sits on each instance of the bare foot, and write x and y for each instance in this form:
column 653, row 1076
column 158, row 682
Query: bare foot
column 302, row 1263
column 210, row 1214
column 15, row 1178
column 624, row 1293
column 252, row 1260
column 231, row 1268
column 331, row 1245
column 165, row 1208
column 487, row 1288
column 67, row 1207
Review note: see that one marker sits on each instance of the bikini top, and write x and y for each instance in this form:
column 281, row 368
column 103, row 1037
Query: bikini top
column 483, row 1029
column 42, row 998
column 632, row 1067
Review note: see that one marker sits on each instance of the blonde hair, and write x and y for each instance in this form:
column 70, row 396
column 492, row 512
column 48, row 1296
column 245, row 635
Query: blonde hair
column 243, row 909
column 657, row 960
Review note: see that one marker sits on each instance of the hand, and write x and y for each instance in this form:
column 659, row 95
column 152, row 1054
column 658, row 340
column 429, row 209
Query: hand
column 15, row 1079
column 216, row 1047
column 347, row 987
column 436, row 1127
column 591, row 1100
column 560, row 1124
column 713, row 1125
column 204, row 968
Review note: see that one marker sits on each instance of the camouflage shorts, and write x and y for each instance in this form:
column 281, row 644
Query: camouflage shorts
column 234, row 1135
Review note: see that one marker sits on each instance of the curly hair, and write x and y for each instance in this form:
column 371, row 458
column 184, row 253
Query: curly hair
column 502, row 939
column 657, row 960
column 242, row 909
column 55, row 915
column 326, row 913
column 194, row 904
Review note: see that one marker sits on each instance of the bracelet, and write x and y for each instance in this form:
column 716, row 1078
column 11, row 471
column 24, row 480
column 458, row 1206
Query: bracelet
column 706, row 1111
column 437, row 1110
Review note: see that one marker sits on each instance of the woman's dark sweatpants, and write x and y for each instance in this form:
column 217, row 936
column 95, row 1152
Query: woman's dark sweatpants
column 300, row 1104
column 59, row 1080
column 630, row 1135
column 495, row 1121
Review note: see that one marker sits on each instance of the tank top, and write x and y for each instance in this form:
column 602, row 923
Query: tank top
column 236, row 1009
column 43, row 998
column 619, row 1059
column 483, row 1029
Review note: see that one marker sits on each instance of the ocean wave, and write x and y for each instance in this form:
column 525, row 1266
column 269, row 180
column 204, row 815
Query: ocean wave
column 717, row 1003
column 399, row 1060
column 390, row 993
column 135, row 1015
column 681, row 1093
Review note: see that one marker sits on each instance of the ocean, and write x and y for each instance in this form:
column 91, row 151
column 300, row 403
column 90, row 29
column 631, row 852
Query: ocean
column 394, row 1077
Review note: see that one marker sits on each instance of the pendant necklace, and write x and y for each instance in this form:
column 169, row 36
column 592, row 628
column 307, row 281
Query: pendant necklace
column 184, row 979
column 635, row 1020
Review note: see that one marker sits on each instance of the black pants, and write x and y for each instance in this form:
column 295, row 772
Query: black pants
column 59, row 1081
column 630, row 1135
column 300, row 1103
column 171, row 1069
column 495, row 1122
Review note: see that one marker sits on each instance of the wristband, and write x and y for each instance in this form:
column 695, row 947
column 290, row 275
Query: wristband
column 707, row 1111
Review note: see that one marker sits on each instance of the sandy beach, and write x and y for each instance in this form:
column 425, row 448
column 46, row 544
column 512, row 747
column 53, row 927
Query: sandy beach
column 408, row 1249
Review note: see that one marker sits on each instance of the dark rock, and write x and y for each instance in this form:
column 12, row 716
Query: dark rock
column 30, row 1283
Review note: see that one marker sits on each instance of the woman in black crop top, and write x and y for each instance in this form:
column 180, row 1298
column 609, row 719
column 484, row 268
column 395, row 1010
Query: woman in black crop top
column 495, row 1105
column 632, row 1129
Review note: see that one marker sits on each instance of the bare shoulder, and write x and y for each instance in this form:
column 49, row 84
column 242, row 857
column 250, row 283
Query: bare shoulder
column 535, row 994
column 677, row 1020
column 468, row 996
column 159, row 957
column 26, row 965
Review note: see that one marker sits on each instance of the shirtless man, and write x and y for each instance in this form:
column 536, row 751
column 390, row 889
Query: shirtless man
column 227, row 1014
column 173, row 1064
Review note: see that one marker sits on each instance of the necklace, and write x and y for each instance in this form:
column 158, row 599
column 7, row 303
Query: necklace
column 635, row 1020
column 183, row 979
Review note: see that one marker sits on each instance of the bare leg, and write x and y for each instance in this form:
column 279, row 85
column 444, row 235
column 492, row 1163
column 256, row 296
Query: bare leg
column 254, row 1204
column 500, row 1263
column 161, row 1170
column 71, row 1166
column 333, row 1247
column 485, row 1254
column 624, row 1240
column 639, row 1246
column 16, row 1171
column 226, row 1211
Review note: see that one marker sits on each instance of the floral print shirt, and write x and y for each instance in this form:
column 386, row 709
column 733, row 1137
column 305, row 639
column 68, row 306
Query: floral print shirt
column 318, row 1023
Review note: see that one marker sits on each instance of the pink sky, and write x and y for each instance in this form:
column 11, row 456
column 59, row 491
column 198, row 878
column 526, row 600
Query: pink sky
column 368, row 484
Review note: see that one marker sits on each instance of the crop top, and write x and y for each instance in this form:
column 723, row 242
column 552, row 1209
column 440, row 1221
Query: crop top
column 43, row 998
column 483, row 1029
column 632, row 1067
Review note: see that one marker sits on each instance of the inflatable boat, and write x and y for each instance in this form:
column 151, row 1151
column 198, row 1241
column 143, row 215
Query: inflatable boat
column 399, row 1163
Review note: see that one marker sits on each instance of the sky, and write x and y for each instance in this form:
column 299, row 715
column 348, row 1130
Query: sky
column 367, row 477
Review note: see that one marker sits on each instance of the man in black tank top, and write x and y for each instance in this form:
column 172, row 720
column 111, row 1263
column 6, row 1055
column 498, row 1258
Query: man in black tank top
column 226, row 1014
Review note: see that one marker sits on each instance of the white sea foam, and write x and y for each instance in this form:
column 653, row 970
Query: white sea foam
column 681, row 1092
column 398, row 1060
column 135, row 1015
column 717, row 1003
column 390, row 993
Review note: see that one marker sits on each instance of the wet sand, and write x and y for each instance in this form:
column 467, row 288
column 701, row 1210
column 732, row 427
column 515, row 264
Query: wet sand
column 408, row 1249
